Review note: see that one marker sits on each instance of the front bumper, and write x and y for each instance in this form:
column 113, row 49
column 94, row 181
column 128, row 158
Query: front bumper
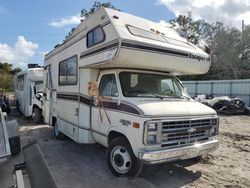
column 187, row 152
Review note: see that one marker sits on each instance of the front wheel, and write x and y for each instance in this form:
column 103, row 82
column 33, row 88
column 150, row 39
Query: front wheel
column 37, row 115
column 58, row 134
column 121, row 159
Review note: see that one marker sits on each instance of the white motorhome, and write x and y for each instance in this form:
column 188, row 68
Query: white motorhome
column 141, row 111
column 28, row 88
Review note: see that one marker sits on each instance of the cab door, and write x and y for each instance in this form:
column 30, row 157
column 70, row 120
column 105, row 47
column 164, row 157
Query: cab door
column 47, row 95
column 102, row 116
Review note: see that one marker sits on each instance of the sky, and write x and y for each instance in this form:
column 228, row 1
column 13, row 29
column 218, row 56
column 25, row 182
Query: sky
column 29, row 29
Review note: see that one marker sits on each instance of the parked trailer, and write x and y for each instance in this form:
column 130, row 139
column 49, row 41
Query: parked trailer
column 112, row 81
column 9, row 138
column 28, row 86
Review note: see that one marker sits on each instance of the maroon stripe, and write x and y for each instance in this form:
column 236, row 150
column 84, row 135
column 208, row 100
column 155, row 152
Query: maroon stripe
column 67, row 97
column 108, row 105
column 85, row 100
column 121, row 107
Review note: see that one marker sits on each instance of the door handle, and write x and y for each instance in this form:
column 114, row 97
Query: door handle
column 95, row 102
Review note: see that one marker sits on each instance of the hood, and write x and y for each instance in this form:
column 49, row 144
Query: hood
column 174, row 108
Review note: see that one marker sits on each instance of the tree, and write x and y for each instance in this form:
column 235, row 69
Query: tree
column 6, row 76
column 5, row 67
column 195, row 31
column 85, row 13
column 245, row 53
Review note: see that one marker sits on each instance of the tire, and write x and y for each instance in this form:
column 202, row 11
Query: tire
column 37, row 115
column 15, row 146
column 189, row 162
column 17, row 106
column 121, row 159
column 197, row 159
column 58, row 134
column 8, row 110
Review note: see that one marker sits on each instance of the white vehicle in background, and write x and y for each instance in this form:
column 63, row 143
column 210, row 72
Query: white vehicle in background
column 28, row 89
column 112, row 81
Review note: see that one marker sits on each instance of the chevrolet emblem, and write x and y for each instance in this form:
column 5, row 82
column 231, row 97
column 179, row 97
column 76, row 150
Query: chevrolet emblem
column 191, row 130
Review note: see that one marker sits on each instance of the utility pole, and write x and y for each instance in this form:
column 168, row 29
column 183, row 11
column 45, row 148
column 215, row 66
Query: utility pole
column 242, row 40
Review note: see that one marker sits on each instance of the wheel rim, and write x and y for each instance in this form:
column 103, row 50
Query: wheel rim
column 56, row 129
column 33, row 114
column 120, row 159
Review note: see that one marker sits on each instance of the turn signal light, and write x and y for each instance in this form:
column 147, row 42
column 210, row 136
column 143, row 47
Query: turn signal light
column 136, row 125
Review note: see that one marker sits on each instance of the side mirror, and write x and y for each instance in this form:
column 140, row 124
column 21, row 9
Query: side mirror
column 34, row 90
column 93, row 89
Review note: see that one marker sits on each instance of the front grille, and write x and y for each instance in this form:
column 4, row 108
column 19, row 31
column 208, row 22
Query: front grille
column 185, row 132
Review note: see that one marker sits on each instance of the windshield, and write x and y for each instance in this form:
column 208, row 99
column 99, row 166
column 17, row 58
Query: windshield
column 39, row 86
column 135, row 84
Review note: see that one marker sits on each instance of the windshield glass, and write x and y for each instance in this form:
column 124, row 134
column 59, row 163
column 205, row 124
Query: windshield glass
column 39, row 86
column 135, row 84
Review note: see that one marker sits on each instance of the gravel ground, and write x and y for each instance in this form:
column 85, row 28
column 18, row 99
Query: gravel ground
column 77, row 165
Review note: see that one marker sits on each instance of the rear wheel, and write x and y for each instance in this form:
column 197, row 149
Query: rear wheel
column 121, row 159
column 37, row 115
column 17, row 105
column 58, row 134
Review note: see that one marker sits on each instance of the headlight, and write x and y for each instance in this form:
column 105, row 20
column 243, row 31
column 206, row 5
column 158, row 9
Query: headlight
column 151, row 139
column 152, row 132
column 215, row 121
column 152, row 127
column 214, row 131
column 215, row 127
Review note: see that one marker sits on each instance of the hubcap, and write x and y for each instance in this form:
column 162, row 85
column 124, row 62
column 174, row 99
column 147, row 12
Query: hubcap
column 56, row 129
column 120, row 159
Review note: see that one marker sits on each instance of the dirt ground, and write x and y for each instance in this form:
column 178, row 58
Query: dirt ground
column 77, row 165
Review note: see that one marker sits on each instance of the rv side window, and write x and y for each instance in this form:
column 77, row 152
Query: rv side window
column 108, row 86
column 68, row 71
column 62, row 72
column 95, row 36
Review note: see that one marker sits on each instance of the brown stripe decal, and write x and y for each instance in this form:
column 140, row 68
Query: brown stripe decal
column 68, row 97
column 85, row 100
column 154, row 49
column 108, row 105
column 122, row 107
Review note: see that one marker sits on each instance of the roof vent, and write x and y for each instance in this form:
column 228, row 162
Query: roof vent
column 115, row 17
column 32, row 65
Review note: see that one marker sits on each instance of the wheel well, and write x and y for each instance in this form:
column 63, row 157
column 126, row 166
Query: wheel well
column 113, row 134
column 53, row 121
column 35, row 106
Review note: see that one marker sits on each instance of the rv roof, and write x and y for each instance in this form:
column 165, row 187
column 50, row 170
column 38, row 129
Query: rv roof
column 123, row 20
column 128, row 36
column 129, row 19
column 35, row 74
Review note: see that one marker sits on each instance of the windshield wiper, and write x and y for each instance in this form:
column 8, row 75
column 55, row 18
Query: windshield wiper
column 155, row 95
column 164, row 96
column 159, row 96
column 185, row 97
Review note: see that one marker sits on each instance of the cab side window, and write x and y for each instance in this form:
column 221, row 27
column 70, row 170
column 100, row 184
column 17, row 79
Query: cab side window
column 108, row 86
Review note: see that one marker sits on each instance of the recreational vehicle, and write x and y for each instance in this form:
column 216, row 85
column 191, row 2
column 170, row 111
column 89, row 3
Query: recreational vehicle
column 28, row 86
column 113, row 81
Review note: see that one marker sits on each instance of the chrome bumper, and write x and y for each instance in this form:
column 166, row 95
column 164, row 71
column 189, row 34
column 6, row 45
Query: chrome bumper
column 188, row 152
